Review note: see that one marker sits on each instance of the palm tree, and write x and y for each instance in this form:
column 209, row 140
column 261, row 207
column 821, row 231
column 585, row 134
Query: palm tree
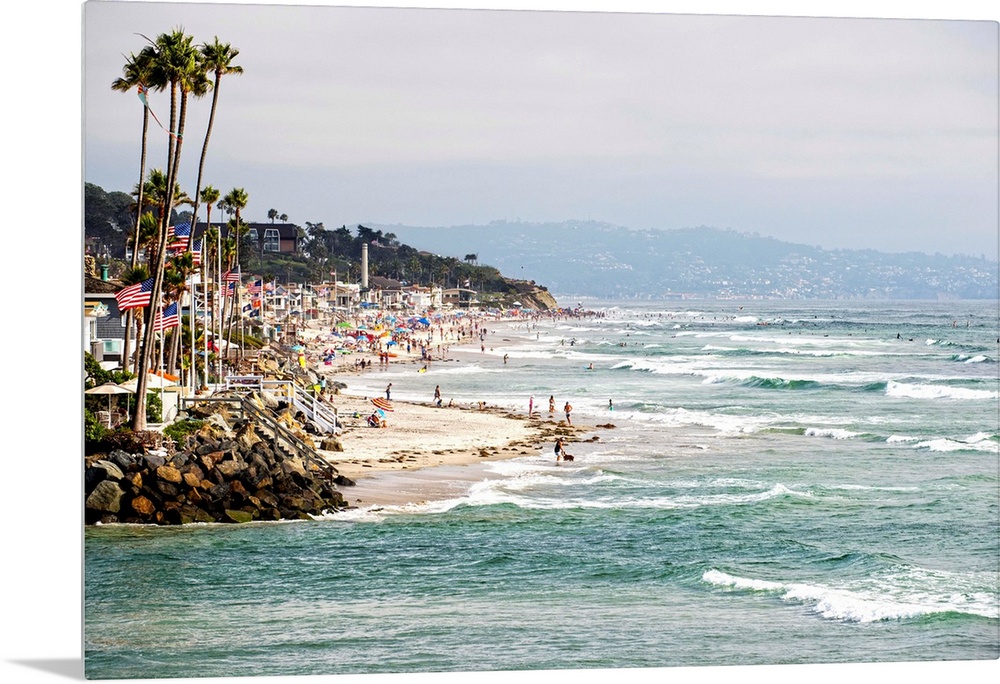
column 236, row 201
column 175, row 281
column 217, row 58
column 176, row 64
column 272, row 214
column 135, row 274
column 210, row 247
column 138, row 73
column 146, row 234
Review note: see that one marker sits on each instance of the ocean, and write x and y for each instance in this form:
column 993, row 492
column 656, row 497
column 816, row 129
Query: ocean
column 784, row 482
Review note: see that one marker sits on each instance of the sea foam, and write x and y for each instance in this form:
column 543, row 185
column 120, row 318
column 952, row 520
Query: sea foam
column 897, row 595
column 910, row 391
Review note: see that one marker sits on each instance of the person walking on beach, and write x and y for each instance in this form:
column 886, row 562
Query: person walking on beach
column 568, row 409
column 388, row 388
column 552, row 404
column 531, row 405
column 561, row 453
column 437, row 394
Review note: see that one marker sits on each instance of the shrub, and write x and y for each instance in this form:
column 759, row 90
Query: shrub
column 177, row 431
column 93, row 429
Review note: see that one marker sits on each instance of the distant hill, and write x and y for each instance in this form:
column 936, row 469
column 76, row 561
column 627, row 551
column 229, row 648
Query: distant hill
column 594, row 259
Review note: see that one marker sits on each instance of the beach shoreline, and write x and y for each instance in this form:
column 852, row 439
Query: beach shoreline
column 445, row 444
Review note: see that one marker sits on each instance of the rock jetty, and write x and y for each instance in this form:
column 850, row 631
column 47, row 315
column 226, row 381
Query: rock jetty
column 219, row 474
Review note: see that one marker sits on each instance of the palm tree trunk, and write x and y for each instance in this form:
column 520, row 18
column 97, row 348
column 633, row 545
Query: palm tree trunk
column 173, row 159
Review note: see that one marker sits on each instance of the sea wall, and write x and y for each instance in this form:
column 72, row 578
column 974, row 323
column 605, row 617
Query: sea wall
column 219, row 475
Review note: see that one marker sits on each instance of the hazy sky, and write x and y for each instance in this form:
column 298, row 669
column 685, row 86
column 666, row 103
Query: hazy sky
column 877, row 133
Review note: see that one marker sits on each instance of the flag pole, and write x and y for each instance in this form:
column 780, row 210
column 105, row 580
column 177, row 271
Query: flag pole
column 191, row 318
column 205, row 270
column 219, row 304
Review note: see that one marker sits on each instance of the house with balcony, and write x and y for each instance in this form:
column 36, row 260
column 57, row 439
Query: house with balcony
column 459, row 298
column 103, row 323
column 280, row 238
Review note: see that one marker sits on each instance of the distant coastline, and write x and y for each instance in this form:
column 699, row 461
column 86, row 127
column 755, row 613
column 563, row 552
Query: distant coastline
column 614, row 262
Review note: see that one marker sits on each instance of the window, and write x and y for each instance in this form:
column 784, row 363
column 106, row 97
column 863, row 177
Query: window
column 252, row 234
column 272, row 242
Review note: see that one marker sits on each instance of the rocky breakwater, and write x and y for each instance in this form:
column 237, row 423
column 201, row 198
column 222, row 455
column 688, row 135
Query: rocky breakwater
column 219, row 474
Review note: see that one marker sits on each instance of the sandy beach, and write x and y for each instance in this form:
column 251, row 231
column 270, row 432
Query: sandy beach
column 390, row 465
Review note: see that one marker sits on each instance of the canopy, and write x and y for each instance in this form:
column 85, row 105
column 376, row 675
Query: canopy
column 152, row 382
column 109, row 388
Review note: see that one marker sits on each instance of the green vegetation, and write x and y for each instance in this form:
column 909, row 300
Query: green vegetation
column 180, row 429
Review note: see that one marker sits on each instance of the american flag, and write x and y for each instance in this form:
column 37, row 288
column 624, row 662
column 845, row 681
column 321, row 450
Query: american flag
column 230, row 290
column 169, row 319
column 255, row 286
column 196, row 253
column 232, row 276
column 135, row 295
column 178, row 236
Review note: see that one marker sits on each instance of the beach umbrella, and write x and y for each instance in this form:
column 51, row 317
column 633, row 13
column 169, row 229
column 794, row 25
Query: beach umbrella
column 152, row 382
column 109, row 388
column 298, row 347
column 344, row 324
column 382, row 404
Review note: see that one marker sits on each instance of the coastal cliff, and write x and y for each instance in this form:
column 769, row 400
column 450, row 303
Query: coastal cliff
column 530, row 295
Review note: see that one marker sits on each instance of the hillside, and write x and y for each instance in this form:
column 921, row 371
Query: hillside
column 602, row 260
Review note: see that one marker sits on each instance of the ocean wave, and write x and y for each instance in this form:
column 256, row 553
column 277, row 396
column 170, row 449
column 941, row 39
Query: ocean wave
column 825, row 353
column 545, row 493
column 911, row 391
column 833, row 433
column 871, row 488
column 946, row 445
column 465, row 369
column 966, row 358
column 896, row 595
column 763, row 382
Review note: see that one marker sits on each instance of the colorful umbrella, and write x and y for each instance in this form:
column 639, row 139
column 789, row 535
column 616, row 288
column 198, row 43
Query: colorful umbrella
column 381, row 403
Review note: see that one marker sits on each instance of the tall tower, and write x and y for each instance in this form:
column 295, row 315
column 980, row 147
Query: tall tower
column 364, row 266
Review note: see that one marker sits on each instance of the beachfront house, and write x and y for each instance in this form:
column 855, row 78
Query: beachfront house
column 459, row 298
column 422, row 298
column 279, row 238
column 388, row 292
column 337, row 297
column 103, row 324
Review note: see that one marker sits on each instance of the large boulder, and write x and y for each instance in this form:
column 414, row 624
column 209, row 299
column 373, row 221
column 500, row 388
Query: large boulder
column 106, row 497
column 169, row 473
column 331, row 444
column 246, row 437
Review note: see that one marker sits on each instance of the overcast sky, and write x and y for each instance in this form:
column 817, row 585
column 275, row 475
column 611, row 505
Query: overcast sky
column 877, row 133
